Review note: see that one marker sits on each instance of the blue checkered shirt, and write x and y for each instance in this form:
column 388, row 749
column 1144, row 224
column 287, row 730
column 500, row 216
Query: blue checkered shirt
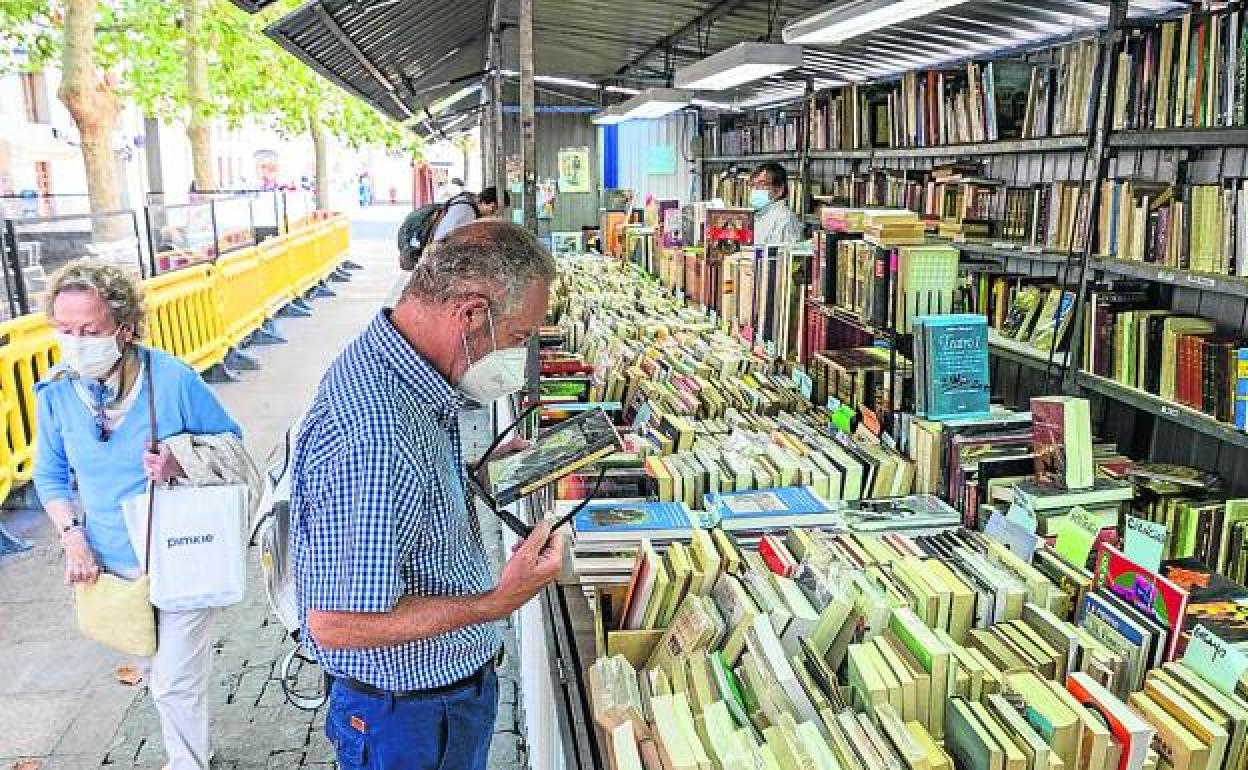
column 379, row 511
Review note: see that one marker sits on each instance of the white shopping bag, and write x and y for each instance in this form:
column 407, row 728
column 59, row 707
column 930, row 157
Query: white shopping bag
column 198, row 548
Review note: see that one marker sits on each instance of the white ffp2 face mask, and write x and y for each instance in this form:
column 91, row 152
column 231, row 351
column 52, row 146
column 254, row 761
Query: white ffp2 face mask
column 499, row 373
column 90, row 357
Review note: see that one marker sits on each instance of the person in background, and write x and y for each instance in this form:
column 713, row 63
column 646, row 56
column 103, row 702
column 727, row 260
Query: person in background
column 465, row 208
column 775, row 224
column 395, row 591
column 92, row 449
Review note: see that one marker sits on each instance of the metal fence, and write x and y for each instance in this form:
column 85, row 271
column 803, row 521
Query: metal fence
column 36, row 247
column 179, row 236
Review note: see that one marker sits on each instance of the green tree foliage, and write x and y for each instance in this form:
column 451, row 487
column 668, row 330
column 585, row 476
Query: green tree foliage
column 143, row 43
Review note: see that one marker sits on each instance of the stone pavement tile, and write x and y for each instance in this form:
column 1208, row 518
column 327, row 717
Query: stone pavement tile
column 34, row 722
column 38, row 621
column 96, row 723
column 506, row 752
column 35, row 575
column 71, row 665
column 89, row 761
column 285, row 760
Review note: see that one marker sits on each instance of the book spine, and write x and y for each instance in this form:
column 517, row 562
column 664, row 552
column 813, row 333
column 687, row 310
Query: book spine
column 1241, row 389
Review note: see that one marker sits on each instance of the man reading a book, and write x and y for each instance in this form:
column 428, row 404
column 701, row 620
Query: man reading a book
column 775, row 224
column 395, row 592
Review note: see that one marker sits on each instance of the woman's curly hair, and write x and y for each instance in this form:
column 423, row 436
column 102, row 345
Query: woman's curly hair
column 119, row 289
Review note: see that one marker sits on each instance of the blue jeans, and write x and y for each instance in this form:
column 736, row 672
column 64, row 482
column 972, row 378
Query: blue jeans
column 447, row 731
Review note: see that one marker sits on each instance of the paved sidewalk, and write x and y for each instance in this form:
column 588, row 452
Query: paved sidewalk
column 60, row 702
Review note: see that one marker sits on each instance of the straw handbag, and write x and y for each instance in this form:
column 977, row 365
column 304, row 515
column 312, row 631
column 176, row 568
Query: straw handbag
column 114, row 611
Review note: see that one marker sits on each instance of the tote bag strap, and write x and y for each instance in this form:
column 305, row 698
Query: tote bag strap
column 154, row 446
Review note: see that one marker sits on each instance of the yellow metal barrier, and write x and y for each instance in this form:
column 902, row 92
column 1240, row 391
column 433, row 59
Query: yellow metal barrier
column 184, row 316
column 239, row 284
column 196, row 313
column 28, row 351
column 275, row 274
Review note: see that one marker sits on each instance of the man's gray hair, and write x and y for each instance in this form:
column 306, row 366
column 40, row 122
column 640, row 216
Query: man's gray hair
column 496, row 259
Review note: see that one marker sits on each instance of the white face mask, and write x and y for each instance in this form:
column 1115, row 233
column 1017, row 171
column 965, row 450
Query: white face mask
column 499, row 373
column 90, row 357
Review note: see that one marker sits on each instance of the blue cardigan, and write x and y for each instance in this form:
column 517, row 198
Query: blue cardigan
column 107, row 472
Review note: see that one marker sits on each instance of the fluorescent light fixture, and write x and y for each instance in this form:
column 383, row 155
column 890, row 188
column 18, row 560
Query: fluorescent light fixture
column 655, row 103
column 622, row 90
column 846, row 21
column 608, row 117
column 442, row 104
column 715, row 105
column 743, row 63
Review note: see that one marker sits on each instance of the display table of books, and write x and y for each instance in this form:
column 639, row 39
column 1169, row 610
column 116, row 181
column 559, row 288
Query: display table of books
column 757, row 583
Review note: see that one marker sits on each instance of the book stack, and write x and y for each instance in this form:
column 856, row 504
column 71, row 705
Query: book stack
column 1043, row 96
column 1185, row 73
column 1180, row 358
column 1030, row 311
column 1191, row 227
column 891, row 650
column 771, row 132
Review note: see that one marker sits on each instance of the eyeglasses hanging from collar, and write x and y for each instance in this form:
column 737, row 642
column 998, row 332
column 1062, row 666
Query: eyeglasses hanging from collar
column 513, row 522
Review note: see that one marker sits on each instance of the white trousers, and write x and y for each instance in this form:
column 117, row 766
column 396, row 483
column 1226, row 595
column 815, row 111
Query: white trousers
column 177, row 676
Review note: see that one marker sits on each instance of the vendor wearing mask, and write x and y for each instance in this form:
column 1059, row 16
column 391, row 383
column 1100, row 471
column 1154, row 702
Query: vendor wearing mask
column 775, row 224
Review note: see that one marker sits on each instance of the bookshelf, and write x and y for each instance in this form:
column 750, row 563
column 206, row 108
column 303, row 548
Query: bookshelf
column 1176, row 413
column 1022, row 353
column 1115, row 142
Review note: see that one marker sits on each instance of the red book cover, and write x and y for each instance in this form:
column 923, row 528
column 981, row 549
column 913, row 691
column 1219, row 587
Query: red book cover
column 1155, row 596
column 1048, row 428
column 1134, row 733
column 565, row 367
column 776, row 556
column 733, row 225
column 1183, row 379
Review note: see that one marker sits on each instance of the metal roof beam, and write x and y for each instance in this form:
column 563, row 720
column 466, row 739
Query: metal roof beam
column 722, row 8
column 328, row 20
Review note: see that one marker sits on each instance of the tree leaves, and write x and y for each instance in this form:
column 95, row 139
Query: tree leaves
column 250, row 77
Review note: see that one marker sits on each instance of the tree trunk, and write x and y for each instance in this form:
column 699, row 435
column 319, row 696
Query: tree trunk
column 198, row 131
column 89, row 96
column 322, row 159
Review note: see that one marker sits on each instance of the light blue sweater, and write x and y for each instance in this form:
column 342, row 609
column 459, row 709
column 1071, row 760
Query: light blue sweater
column 108, row 472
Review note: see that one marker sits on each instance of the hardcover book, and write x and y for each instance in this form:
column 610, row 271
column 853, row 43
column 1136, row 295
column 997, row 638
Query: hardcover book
column 572, row 444
column 1061, row 440
column 955, row 365
column 1156, row 597
column 623, row 520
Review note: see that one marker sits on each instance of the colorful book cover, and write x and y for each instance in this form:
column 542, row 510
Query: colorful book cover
column 1048, row 441
column 1216, row 602
column 956, row 365
column 639, row 517
column 733, row 225
column 782, row 501
column 1241, row 389
column 670, row 221
column 1153, row 595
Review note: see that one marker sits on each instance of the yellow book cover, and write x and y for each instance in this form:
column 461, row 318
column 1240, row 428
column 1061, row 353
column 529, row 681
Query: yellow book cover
column 1177, row 745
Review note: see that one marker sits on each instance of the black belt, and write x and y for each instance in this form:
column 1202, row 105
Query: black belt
column 460, row 684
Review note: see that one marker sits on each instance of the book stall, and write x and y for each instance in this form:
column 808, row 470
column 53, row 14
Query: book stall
column 805, row 548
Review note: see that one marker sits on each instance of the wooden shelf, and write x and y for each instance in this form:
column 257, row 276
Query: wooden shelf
column 1023, row 353
column 1168, row 410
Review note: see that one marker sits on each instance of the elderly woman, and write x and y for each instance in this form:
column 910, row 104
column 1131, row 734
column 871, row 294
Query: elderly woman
column 93, row 448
